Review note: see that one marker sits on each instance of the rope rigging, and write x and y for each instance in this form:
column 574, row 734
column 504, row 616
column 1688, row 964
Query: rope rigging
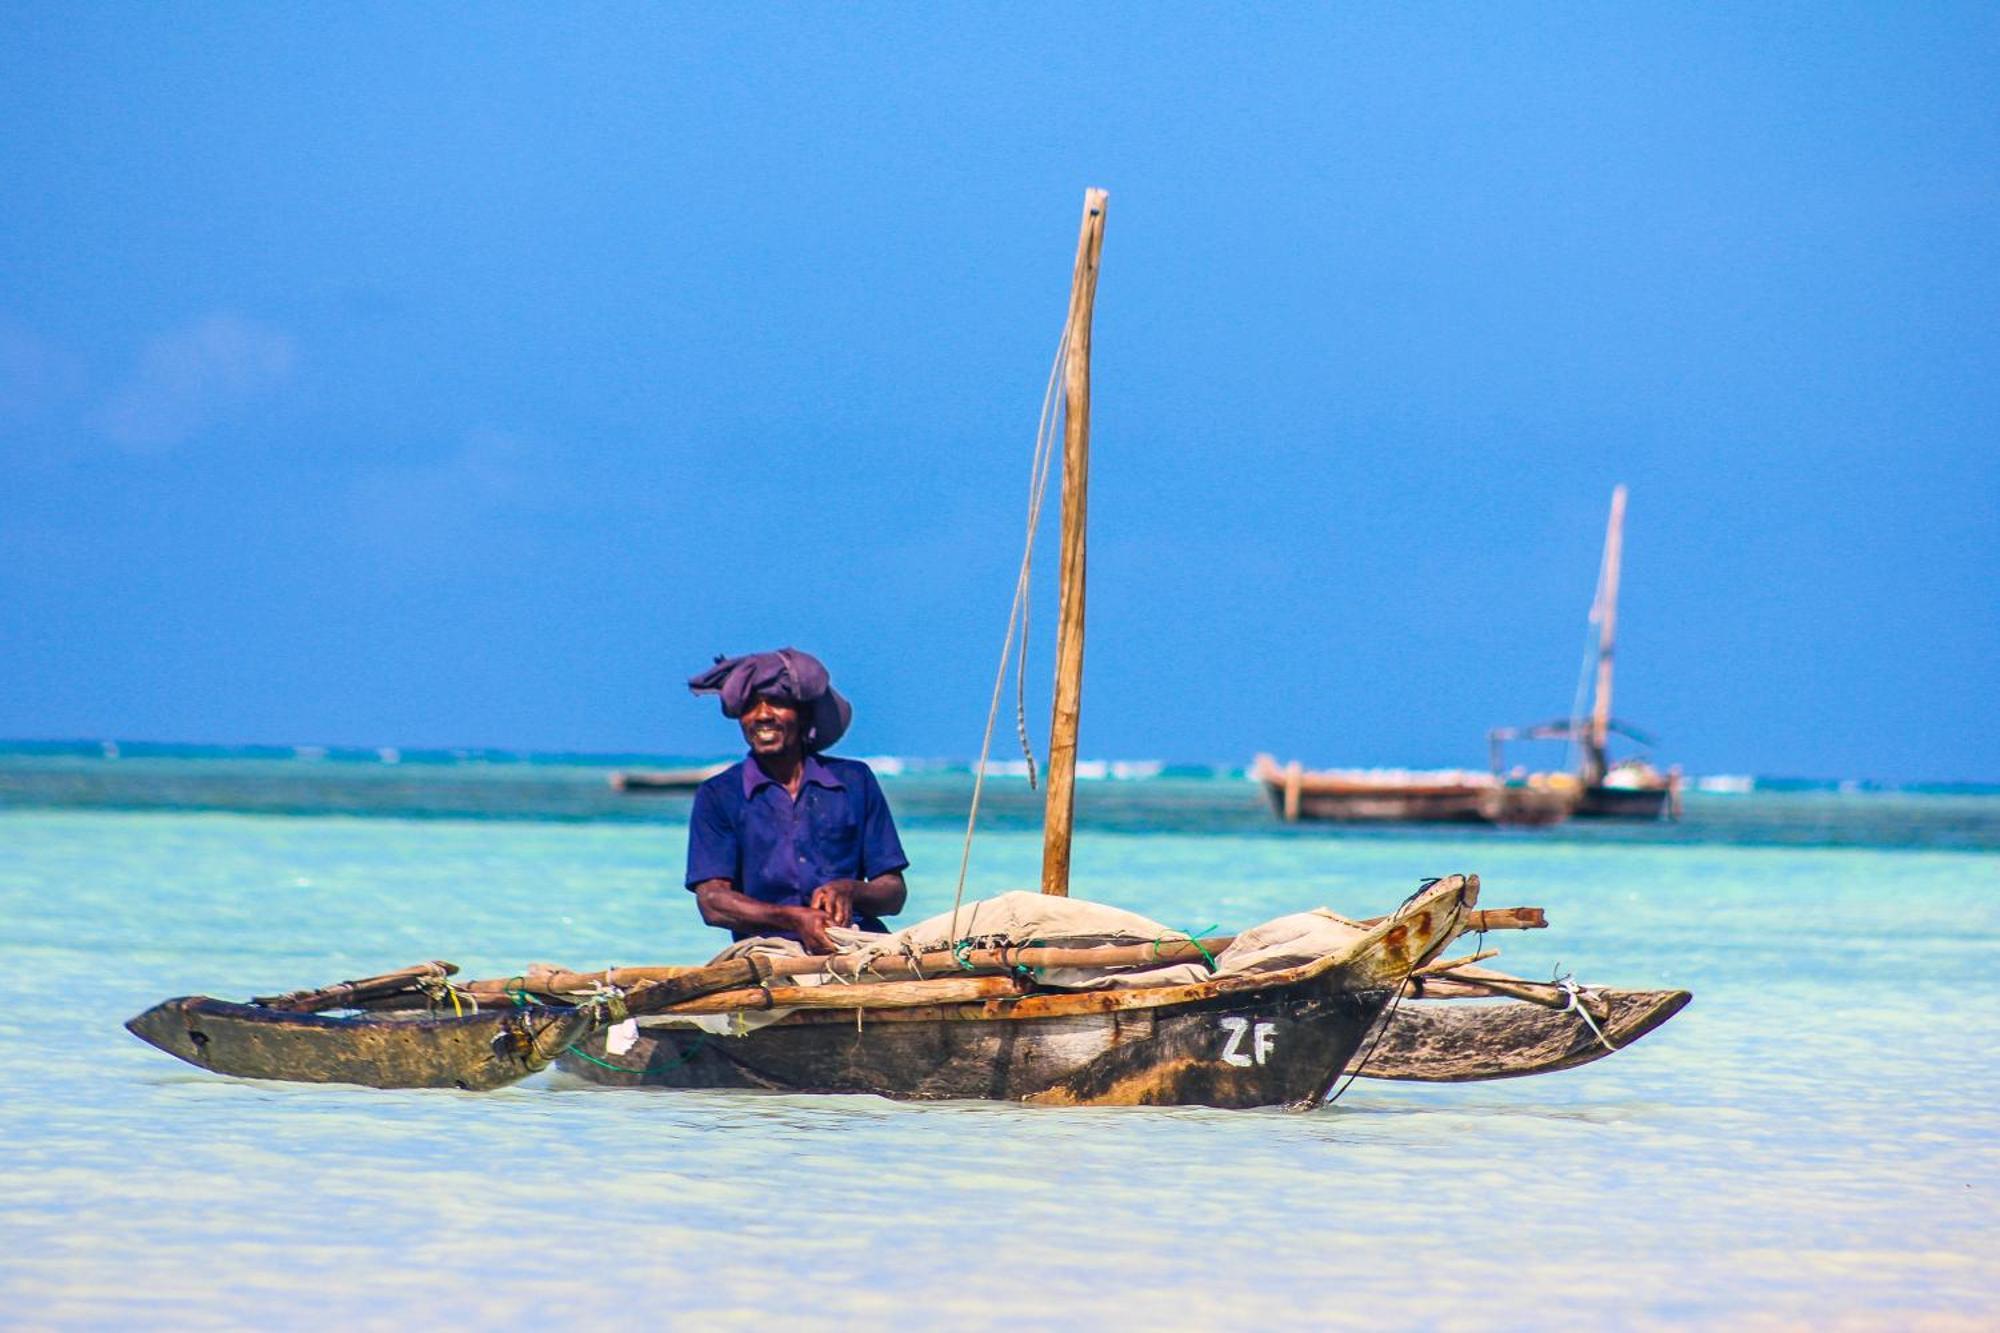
column 1039, row 468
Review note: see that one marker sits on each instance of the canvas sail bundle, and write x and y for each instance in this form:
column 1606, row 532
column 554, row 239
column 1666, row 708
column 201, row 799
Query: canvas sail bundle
column 1023, row 919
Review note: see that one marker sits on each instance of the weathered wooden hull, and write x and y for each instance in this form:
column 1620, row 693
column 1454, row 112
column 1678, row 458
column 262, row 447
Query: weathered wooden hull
column 1457, row 1041
column 476, row 1051
column 1416, row 804
column 1279, row 1046
column 1232, row 1039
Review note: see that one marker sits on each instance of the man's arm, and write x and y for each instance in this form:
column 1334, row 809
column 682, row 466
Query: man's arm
column 723, row 905
column 842, row 898
column 877, row 889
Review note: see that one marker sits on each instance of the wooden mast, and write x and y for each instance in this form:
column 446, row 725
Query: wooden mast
column 1059, row 815
column 1607, row 624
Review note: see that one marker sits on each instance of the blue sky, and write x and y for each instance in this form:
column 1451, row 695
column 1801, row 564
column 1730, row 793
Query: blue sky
column 428, row 375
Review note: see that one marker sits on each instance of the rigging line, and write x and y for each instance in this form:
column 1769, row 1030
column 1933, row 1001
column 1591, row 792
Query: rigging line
column 1404, row 987
column 1038, row 473
column 1038, row 487
column 1335, row 1093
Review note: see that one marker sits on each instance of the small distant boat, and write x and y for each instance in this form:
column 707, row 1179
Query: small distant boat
column 1450, row 796
column 1629, row 788
column 656, row 780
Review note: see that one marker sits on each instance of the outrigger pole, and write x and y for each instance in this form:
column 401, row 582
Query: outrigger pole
column 1059, row 818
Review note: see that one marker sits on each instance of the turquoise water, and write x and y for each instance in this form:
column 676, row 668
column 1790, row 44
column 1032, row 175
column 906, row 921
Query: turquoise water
column 1814, row 1141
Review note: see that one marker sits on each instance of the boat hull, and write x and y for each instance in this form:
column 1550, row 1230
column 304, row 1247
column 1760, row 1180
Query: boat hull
column 1455, row 1041
column 662, row 780
column 1275, row 1047
column 1426, row 805
column 474, row 1052
column 1625, row 803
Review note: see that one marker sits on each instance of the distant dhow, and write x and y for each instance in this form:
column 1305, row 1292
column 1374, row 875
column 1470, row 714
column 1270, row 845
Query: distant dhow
column 1600, row 788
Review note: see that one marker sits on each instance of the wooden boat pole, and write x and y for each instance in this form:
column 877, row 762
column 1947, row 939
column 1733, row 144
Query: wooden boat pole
column 1607, row 624
column 1489, row 918
column 344, row 993
column 1452, row 986
column 1059, row 813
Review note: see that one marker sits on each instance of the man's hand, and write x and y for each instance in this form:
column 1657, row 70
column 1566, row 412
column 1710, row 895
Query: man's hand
column 836, row 899
column 810, row 925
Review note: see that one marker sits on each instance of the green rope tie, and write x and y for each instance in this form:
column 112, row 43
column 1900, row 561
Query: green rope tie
column 1194, row 938
column 602, row 1064
column 694, row 1048
column 1023, row 970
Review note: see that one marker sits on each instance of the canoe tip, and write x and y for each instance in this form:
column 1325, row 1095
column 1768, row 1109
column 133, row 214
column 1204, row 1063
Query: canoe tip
column 165, row 1025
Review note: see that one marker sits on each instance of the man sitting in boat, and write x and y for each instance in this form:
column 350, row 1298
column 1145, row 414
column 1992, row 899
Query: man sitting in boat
column 791, row 841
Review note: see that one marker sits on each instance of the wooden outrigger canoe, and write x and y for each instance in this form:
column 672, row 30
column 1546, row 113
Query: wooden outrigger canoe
column 986, row 1032
column 1233, row 1040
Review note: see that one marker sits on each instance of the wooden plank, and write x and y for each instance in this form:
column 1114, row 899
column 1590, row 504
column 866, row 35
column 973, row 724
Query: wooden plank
column 859, row 995
column 1543, row 994
column 1463, row 960
column 688, row 982
column 1483, row 919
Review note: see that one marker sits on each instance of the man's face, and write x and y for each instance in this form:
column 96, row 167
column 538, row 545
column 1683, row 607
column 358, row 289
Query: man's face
column 772, row 728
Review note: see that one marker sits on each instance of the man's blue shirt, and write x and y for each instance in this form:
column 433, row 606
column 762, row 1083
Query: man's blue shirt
column 746, row 828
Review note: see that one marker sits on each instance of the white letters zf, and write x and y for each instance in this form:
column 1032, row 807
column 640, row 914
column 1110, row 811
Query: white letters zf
column 1263, row 1039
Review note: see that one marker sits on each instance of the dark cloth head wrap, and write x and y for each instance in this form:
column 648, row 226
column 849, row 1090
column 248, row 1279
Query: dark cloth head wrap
column 787, row 676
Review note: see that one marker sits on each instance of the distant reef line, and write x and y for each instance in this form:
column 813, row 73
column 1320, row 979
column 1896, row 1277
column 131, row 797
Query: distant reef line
column 889, row 766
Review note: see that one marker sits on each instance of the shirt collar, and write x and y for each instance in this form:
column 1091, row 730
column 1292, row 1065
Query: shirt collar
column 816, row 773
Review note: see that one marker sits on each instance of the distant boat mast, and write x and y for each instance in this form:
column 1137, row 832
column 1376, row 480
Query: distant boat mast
column 1605, row 614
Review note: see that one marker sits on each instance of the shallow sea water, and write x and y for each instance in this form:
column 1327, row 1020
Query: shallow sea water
column 1813, row 1142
